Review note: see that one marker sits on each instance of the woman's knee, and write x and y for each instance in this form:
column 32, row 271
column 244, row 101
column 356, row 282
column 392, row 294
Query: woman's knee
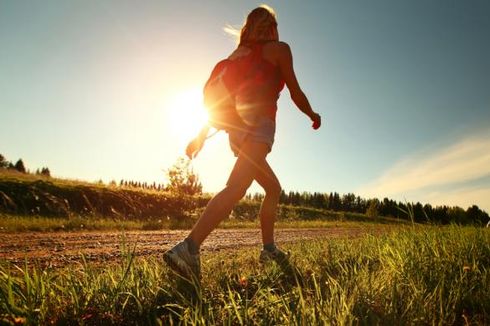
column 273, row 189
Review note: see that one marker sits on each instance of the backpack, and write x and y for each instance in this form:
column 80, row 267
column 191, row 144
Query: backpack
column 228, row 79
column 219, row 96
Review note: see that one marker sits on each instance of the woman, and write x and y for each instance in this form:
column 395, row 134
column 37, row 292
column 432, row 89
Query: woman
column 259, row 36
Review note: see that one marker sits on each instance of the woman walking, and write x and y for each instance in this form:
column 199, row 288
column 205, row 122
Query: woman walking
column 258, row 37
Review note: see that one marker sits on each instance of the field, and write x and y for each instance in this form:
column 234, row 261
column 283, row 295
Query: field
column 408, row 275
column 76, row 253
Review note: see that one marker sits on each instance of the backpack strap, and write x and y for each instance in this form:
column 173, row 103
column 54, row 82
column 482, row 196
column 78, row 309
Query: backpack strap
column 214, row 133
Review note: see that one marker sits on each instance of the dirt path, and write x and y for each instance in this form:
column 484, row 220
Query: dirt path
column 63, row 248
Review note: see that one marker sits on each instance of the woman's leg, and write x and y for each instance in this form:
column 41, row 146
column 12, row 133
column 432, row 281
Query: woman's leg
column 250, row 160
column 268, row 180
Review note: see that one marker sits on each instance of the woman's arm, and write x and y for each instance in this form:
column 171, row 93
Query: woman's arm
column 204, row 132
column 196, row 144
column 285, row 61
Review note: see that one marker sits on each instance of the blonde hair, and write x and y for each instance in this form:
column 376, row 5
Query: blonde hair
column 260, row 25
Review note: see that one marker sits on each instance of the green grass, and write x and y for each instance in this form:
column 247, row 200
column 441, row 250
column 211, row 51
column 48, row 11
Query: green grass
column 430, row 275
column 19, row 223
column 24, row 194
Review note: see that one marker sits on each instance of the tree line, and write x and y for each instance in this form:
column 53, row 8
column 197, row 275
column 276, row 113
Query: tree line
column 19, row 166
column 183, row 180
column 373, row 207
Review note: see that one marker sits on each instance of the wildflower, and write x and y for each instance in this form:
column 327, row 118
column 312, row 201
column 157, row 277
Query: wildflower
column 243, row 282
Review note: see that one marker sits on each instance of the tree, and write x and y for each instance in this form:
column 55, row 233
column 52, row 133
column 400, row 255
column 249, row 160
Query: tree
column 476, row 215
column 335, row 203
column 419, row 213
column 45, row 171
column 183, row 180
column 19, row 166
column 372, row 210
column 3, row 162
column 456, row 215
column 348, row 202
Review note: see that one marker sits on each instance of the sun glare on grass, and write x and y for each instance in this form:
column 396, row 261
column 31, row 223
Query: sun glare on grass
column 186, row 114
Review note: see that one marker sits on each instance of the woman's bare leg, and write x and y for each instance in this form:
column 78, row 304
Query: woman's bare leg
column 268, row 180
column 250, row 160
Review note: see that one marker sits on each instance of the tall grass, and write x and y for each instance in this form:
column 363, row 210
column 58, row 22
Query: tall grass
column 411, row 276
column 26, row 223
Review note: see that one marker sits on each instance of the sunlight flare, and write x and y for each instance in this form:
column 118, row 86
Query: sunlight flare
column 186, row 114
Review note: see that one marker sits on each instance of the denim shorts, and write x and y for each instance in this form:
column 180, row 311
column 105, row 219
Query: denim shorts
column 262, row 132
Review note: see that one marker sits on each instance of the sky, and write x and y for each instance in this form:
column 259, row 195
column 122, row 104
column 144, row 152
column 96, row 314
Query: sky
column 111, row 90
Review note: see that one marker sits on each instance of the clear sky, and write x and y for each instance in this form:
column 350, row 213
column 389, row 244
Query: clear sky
column 110, row 90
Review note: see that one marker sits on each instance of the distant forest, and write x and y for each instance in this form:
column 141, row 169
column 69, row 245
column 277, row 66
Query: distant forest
column 183, row 180
column 421, row 213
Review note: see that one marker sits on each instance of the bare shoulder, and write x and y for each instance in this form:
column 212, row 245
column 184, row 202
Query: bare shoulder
column 278, row 46
column 239, row 52
column 276, row 51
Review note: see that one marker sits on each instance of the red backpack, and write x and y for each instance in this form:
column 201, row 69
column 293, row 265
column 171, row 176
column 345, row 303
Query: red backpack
column 219, row 96
column 228, row 78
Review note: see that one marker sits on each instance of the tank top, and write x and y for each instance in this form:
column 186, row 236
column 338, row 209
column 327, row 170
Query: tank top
column 257, row 98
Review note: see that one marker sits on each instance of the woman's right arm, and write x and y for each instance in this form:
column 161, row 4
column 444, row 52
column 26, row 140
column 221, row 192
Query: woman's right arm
column 196, row 144
column 285, row 61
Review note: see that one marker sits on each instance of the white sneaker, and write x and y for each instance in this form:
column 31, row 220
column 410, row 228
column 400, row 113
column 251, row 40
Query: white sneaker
column 182, row 261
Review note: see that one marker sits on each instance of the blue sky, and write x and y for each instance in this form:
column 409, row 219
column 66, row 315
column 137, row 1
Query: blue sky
column 104, row 90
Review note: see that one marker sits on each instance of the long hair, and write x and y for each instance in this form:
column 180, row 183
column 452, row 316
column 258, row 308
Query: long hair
column 260, row 25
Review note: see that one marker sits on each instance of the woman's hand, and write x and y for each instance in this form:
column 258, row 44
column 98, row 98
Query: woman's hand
column 194, row 147
column 317, row 120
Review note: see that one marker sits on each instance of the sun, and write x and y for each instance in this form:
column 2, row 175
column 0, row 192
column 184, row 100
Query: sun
column 186, row 113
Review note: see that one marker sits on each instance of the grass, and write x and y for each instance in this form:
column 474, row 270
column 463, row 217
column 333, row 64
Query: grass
column 18, row 223
column 414, row 275
column 24, row 194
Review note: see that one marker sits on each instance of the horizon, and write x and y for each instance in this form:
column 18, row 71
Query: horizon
column 100, row 91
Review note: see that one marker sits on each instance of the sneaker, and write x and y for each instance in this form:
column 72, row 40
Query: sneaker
column 182, row 261
column 276, row 255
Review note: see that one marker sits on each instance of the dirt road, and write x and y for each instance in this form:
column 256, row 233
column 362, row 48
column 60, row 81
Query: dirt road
column 63, row 248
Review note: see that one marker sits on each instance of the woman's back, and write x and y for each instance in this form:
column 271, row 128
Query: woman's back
column 271, row 51
column 260, row 81
column 278, row 54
